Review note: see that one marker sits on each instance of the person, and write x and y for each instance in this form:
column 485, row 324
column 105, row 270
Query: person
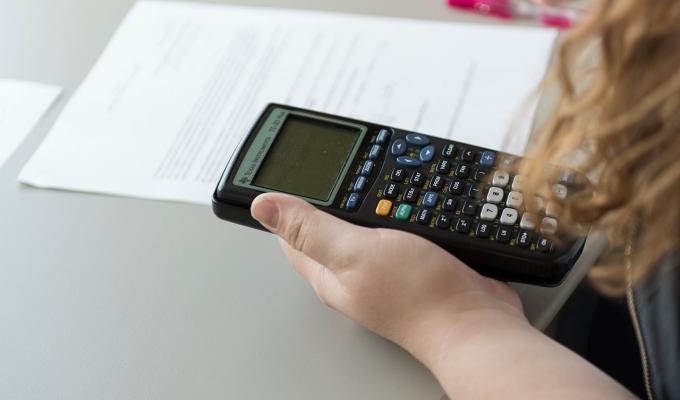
column 618, row 121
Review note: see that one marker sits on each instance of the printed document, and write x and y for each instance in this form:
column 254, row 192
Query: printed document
column 22, row 104
column 180, row 84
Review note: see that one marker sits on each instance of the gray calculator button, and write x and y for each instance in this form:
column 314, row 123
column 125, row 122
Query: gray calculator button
column 494, row 195
column 489, row 212
column 501, row 179
column 528, row 222
column 509, row 216
column 515, row 199
column 548, row 226
column 560, row 191
column 517, row 182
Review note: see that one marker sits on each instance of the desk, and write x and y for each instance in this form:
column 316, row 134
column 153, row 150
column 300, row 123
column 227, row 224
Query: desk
column 104, row 297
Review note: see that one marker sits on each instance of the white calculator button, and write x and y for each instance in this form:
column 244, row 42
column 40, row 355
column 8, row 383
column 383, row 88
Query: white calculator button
column 495, row 195
column 500, row 179
column 548, row 226
column 528, row 222
column 515, row 200
column 560, row 191
column 517, row 182
column 552, row 210
column 509, row 216
column 489, row 212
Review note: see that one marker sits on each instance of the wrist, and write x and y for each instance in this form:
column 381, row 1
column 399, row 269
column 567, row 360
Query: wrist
column 441, row 333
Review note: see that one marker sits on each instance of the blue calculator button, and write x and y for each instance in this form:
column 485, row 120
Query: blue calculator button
column 398, row 147
column 408, row 161
column 374, row 153
column 487, row 159
column 417, row 139
column 383, row 136
column 367, row 168
column 427, row 153
column 430, row 199
column 352, row 201
column 360, row 184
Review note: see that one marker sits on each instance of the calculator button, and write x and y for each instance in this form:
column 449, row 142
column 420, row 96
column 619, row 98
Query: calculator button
column 468, row 155
column 391, row 190
column 449, row 151
column 443, row 166
column 509, row 216
column 360, row 184
column 487, row 159
column 500, row 179
column 398, row 147
column 515, row 199
column 383, row 136
column 472, row 191
column 480, row 174
column 352, row 201
column 430, row 199
column 427, row 153
column 503, row 234
column 517, row 182
column 543, row 245
column 403, row 212
column 374, row 153
column 528, row 221
column 552, row 209
column 456, row 186
column 469, row 208
column 548, row 226
column 524, row 238
column 367, row 168
column 506, row 162
column 411, row 195
column 450, row 203
column 398, row 174
column 560, row 191
column 384, row 207
column 494, row 195
column 408, row 161
column 417, row 139
column 443, row 221
column 424, row 216
column 463, row 225
column 538, row 204
column 463, row 170
column 418, row 179
column 437, row 182
column 567, row 177
column 483, row 230
column 489, row 212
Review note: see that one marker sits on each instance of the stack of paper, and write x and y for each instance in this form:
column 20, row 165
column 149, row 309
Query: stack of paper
column 180, row 84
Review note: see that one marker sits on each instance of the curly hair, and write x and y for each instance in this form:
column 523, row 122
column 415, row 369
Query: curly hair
column 618, row 121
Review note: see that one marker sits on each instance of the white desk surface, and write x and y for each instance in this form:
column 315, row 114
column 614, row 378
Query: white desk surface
column 104, row 297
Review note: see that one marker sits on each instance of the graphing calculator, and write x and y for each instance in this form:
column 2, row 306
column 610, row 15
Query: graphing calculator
column 463, row 198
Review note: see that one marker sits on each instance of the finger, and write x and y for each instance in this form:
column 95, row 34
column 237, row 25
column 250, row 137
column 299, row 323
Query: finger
column 330, row 241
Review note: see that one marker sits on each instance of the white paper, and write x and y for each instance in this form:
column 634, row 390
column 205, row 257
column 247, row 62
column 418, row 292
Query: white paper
column 22, row 104
column 180, row 84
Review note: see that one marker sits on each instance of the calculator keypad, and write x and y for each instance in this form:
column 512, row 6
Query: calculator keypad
column 460, row 190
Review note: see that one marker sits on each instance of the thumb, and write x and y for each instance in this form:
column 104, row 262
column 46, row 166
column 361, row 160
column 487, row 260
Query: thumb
column 326, row 239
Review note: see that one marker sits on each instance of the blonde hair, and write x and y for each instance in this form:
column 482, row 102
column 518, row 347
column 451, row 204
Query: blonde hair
column 618, row 121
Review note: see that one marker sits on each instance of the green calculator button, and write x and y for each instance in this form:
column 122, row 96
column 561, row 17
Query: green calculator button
column 403, row 212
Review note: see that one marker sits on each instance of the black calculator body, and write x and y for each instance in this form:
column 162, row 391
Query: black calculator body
column 461, row 197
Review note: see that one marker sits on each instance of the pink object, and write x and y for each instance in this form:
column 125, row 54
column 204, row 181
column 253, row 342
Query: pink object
column 509, row 9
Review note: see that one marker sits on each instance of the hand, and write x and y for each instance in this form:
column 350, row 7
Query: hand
column 397, row 284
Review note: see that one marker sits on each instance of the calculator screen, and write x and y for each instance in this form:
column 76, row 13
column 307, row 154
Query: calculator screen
column 307, row 157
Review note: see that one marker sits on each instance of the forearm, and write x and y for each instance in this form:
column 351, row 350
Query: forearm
column 499, row 356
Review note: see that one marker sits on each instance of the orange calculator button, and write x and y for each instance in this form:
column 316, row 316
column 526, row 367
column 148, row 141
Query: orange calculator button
column 384, row 207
